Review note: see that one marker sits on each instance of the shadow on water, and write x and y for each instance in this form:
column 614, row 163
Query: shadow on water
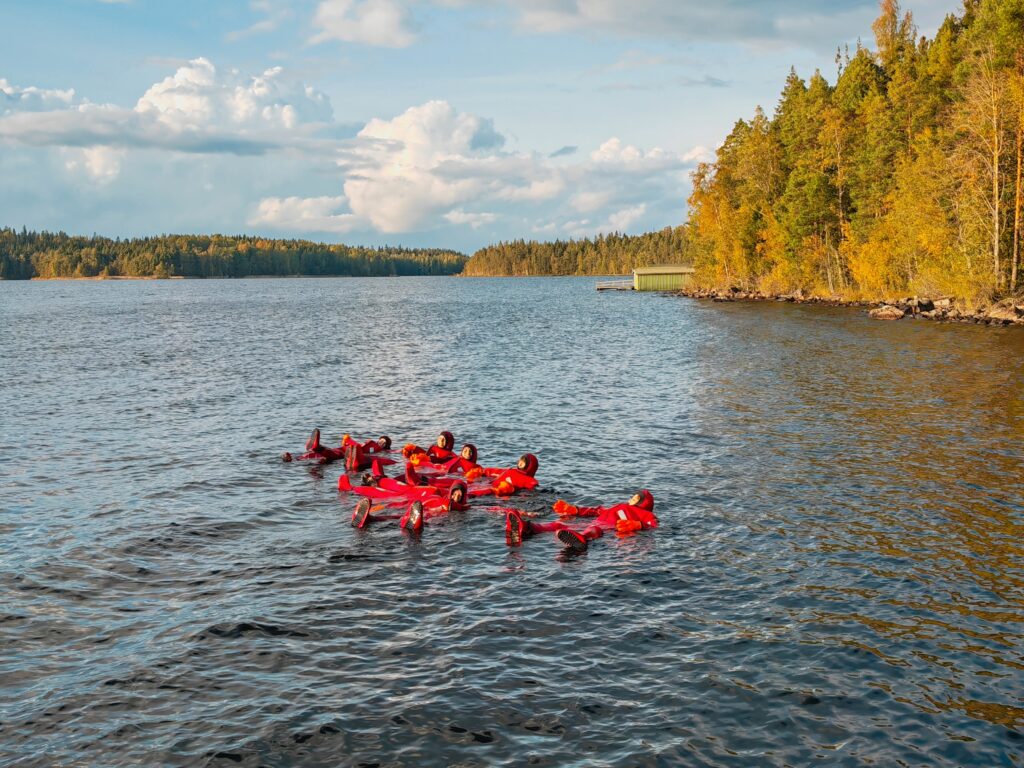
column 838, row 578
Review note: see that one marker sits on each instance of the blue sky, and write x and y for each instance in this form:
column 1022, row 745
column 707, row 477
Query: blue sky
column 421, row 122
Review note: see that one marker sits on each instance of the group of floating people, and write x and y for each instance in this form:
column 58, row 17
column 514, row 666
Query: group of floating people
column 437, row 481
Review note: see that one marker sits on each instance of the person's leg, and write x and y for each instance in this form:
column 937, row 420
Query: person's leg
column 412, row 520
column 314, row 441
column 516, row 528
column 366, row 513
column 362, row 517
column 579, row 541
column 552, row 527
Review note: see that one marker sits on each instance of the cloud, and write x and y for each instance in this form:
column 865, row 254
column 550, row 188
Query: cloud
column 748, row 21
column 31, row 99
column 100, row 164
column 472, row 220
column 199, row 109
column 274, row 14
column 383, row 23
column 198, row 96
column 428, row 168
column 432, row 165
column 310, row 214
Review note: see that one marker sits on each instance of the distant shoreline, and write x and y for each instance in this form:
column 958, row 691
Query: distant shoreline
column 129, row 278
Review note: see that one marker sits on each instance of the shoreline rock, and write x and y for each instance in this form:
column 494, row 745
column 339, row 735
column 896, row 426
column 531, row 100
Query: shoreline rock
column 1006, row 312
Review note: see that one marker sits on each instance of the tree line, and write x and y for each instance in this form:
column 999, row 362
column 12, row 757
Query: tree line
column 904, row 177
column 25, row 255
column 614, row 254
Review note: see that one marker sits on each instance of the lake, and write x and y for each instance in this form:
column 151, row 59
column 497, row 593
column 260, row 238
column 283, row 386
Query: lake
column 838, row 579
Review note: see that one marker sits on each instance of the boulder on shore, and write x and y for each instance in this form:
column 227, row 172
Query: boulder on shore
column 887, row 312
column 1006, row 311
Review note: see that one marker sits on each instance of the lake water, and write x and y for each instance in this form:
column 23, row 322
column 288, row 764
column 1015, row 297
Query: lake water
column 839, row 576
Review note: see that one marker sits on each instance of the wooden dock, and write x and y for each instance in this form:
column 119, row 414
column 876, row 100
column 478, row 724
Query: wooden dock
column 615, row 285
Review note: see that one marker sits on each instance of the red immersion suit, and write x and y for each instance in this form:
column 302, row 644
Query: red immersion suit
column 391, row 489
column 464, row 462
column 624, row 518
column 413, row 519
column 360, row 456
column 441, row 451
column 316, row 451
column 505, row 482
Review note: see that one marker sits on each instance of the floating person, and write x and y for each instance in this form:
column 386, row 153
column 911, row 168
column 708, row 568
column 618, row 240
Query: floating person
column 413, row 486
column 463, row 463
column 416, row 512
column 316, row 451
column 635, row 515
column 443, row 449
column 504, row 482
column 361, row 456
column 438, row 453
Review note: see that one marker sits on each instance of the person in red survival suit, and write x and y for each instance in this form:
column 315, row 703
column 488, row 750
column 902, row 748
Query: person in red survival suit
column 635, row 515
column 416, row 512
column 464, row 462
column 361, row 456
column 316, row 451
column 438, row 453
column 504, row 482
column 443, row 449
column 377, row 486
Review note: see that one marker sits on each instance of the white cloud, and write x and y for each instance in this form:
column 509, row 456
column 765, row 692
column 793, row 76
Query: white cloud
column 428, row 168
column 748, row 21
column 403, row 171
column 31, row 99
column 590, row 201
column 274, row 14
column 309, row 214
column 198, row 109
column 198, row 96
column 383, row 23
column 432, row 164
column 627, row 217
column 614, row 153
column 100, row 164
column 472, row 220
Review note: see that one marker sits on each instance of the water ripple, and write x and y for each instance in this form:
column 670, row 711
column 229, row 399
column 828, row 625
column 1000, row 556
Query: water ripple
column 839, row 578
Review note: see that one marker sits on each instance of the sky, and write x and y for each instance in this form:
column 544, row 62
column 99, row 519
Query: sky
column 441, row 123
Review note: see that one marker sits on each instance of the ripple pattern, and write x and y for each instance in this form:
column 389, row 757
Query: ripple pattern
column 839, row 578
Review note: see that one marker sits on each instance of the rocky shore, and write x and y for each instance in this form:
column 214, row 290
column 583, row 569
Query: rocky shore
column 1006, row 312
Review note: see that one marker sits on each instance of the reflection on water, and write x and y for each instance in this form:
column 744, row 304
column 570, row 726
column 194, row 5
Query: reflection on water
column 839, row 576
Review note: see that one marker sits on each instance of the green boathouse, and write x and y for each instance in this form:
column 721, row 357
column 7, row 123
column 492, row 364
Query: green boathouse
column 666, row 277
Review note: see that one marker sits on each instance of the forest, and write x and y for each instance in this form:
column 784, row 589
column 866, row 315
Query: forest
column 25, row 255
column 613, row 254
column 903, row 177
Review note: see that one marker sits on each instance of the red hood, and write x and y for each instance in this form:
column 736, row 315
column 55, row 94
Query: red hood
column 464, row 504
column 531, row 463
column 472, row 450
column 449, row 440
column 646, row 501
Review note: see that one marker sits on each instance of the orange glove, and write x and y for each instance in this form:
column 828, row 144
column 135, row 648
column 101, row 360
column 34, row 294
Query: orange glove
column 474, row 474
column 418, row 458
column 409, row 449
column 628, row 526
column 564, row 508
column 504, row 488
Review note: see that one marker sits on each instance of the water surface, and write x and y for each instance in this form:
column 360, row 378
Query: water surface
column 839, row 578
